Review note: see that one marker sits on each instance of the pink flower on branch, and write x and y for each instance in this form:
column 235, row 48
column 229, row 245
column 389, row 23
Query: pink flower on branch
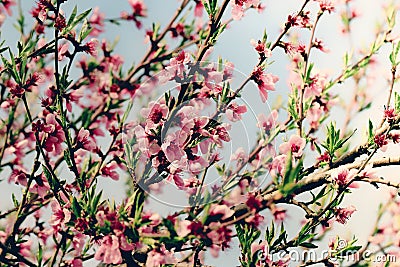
column 295, row 144
column 85, row 141
column 60, row 217
column 265, row 81
column 343, row 176
column 343, row 214
column 234, row 111
column 55, row 135
column 109, row 252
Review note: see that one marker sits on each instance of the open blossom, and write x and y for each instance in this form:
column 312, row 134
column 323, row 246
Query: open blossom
column 177, row 64
column 240, row 156
column 159, row 257
column 267, row 123
column 238, row 7
column 261, row 48
column 85, row 141
column 173, row 147
column 96, row 22
column 343, row 214
column 342, row 175
column 198, row 9
column 78, row 242
column 234, row 111
column 314, row 115
column 7, row 4
column 381, row 141
column 109, row 171
column 63, row 51
column 278, row 165
column 138, row 7
column 326, row 5
column 265, row 82
column 60, row 216
column 90, row 47
column 155, row 114
column 18, row 176
column 109, row 252
column 55, row 137
column 295, row 144
column 219, row 134
column 368, row 172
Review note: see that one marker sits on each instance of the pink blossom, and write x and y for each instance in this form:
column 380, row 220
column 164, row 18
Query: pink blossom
column 63, row 51
column 7, row 4
column 343, row 214
column 219, row 134
column 223, row 211
column 85, row 141
column 326, row 5
column 381, row 141
column 78, row 243
column 25, row 248
column 60, row 216
column 109, row 171
column 279, row 214
column 90, row 47
column 139, row 9
column 368, row 172
column 314, row 115
column 278, row 165
column 295, row 144
column 198, row 9
column 173, row 147
column 239, row 5
column 109, row 252
column 265, row 81
column 220, row 235
column 55, row 135
column 183, row 228
column 155, row 114
column 18, row 176
column 161, row 256
column 319, row 44
column 41, row 187
column 261, row 48
column 234, row 111
column 342, row 175
column 76, row 263
column 96, row 22
column 390, row 114
column 177, row 64
column 395, row 136
column 316, row 85
column 125, row 244
column 240, row 156
column 267, row 123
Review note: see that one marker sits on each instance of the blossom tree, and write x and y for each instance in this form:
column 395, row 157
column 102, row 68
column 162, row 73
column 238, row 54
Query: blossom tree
column 74, row 113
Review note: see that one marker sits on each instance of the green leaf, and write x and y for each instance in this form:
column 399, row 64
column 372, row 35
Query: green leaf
column 290, row 177
column 397, row 101
column 370, row 132
column 15, row 201
column 73, row 15
column 76, row 208
column 308, row 245
column 75, row 21
column 85, row 31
